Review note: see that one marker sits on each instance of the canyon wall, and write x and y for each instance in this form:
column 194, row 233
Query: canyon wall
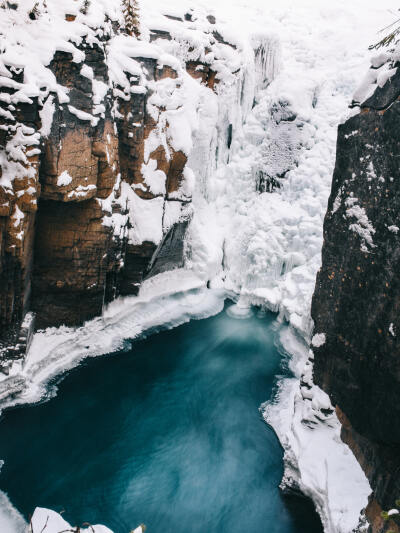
column 95, row 191
column 357, row 296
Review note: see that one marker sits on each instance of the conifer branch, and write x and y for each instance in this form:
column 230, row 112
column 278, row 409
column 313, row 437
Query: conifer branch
column 390, row 38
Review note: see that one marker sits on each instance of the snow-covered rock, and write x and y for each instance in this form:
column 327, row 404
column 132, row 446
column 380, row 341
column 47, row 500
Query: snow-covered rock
column 48, row 521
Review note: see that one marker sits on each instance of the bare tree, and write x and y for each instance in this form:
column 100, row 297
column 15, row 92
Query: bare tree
column 130, row 10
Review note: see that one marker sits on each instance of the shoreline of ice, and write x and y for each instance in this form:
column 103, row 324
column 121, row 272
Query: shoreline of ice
column 317, row 463
column 164, row 301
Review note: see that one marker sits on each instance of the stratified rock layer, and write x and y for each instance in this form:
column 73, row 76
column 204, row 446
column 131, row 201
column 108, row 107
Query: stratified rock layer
column 94, row 195
column 356, row 304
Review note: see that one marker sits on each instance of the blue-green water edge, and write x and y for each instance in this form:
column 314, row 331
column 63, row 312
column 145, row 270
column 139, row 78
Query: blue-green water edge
column 167, row 434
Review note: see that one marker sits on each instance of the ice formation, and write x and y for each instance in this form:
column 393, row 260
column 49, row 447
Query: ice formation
column 261, row 152
column 317, row 463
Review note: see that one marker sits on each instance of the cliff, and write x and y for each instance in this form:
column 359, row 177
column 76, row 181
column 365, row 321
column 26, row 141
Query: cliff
column 97, row 192
column 356, row 301
column 95, row 132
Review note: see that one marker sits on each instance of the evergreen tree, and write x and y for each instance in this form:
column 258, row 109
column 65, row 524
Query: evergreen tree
column 130, row 10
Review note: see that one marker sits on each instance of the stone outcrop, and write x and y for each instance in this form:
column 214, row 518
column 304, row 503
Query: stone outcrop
column 73, row 158
column 356, row 301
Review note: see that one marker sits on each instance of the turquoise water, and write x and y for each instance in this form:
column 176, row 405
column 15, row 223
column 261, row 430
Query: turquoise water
column 167, row 433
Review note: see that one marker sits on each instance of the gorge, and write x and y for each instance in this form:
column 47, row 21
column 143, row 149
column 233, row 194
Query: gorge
column 142, row 455
column 146, row 180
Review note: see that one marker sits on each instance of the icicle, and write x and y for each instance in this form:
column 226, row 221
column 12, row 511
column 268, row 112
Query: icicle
column 267, row 59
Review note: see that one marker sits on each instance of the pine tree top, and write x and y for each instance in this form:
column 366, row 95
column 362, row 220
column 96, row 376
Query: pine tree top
column 130, row 11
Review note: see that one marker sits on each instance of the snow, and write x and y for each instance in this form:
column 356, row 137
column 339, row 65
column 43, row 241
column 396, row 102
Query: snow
column 82, row 115
column 154, row 179
column 80, row 191
column 285, row 84
column 46, row 116
column 87, row 72
column 17, row 216
column 64, row 179
column 317, row 462
column 146, row 217
column 362, row 226
column 393, row 228
column 318, row 340
column 10, row 519
column 49, row 521
column 377, row 76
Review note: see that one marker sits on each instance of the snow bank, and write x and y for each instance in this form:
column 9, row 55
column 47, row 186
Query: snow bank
column 47, row 521
column 164, row 301
column 317, row 462
column 10, row 519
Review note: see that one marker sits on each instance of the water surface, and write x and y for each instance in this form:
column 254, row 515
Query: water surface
column 167, row 433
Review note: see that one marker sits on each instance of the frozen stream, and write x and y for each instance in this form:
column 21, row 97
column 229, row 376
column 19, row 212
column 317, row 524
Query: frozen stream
column 166, row 433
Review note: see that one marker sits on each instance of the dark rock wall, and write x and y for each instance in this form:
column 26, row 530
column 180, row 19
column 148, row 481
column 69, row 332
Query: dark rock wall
column 356, row 302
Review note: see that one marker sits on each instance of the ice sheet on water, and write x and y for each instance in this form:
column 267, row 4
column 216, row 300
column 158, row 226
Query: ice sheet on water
column 166, row 300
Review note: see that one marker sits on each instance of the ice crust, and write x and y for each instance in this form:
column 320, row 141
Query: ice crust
column 317, row 462
column 273, row 121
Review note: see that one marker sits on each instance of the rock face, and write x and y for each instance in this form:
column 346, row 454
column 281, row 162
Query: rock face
column 95, row 192
column 357, row 296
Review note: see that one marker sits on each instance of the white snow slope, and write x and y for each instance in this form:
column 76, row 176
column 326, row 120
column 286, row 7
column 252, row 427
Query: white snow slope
column 300, row 63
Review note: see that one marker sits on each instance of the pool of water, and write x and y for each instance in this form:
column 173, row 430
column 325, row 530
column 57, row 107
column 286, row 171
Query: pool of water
column 167, row 433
